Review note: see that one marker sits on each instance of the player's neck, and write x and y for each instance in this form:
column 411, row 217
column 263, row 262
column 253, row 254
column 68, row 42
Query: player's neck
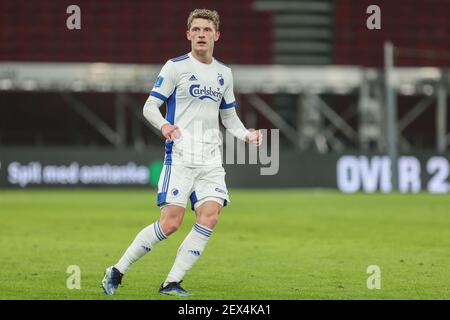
column 203, row 57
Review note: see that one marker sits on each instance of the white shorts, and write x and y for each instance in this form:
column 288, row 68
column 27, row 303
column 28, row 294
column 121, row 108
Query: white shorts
column 178, row 183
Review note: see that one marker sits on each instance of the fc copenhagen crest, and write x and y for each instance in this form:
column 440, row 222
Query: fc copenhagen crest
column 220, row 79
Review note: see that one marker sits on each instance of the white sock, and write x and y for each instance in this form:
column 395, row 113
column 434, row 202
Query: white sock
column 145, row 240
column 189, row 252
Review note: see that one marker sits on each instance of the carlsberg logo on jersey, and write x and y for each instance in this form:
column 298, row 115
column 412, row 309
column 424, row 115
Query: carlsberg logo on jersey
column 205, row 93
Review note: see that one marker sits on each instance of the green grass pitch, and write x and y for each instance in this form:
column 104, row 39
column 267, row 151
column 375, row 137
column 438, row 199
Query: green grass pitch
column 268, row 244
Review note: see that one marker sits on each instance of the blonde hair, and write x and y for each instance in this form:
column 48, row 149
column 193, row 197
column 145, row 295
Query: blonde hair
column 211, row 15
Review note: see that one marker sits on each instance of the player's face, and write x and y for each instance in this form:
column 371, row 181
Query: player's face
column 202, row 35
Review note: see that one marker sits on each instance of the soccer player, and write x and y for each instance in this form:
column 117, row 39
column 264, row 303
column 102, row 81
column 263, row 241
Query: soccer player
column 196, row 88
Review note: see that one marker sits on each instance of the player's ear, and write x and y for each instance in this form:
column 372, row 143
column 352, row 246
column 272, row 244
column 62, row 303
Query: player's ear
column 217, row 36
column 188, row 35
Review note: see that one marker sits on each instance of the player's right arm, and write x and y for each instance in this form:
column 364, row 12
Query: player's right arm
column 153, row 115
column 164, row 86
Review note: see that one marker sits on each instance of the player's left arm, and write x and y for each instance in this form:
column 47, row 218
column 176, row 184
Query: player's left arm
column 231, row 120
column 234, row 125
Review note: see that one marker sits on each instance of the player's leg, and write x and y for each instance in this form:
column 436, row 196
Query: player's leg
column 171, row 218
column 147, row 238
column 173, row 191
column 144, row 242
column 207, row 211
column 172, row 205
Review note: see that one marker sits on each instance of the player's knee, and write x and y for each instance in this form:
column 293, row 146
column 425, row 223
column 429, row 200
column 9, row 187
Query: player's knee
column 209, row 222
column 170, row 226
column 208, row 218
column 171, row 219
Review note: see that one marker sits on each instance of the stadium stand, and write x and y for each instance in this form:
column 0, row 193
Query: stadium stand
column 264, row 34
column 403, row 22
column 127, row 31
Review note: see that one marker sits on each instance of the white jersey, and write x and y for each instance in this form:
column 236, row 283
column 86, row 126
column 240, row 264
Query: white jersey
column 194, row 93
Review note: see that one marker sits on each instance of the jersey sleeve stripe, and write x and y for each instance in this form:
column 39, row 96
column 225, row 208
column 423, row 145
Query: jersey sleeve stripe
column 171, row 106
column 224, row 105
column 218, row 61
column 181, row 58
column 158, row 95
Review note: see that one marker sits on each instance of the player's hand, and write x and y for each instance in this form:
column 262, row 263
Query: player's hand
column 254, row 137
column 170, row 132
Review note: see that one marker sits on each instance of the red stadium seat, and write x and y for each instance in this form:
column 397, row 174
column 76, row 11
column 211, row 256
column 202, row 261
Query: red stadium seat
column 134, row 32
